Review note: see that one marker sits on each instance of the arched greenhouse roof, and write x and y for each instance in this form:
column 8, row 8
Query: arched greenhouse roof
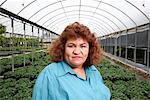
column 101, row 16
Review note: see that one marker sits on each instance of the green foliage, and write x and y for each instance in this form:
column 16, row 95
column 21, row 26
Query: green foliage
column 18, row 85
column 124, row 84
column 34, row 59
column 18, row 41
column 32, row 42
column 2, row 40
column 2, row 29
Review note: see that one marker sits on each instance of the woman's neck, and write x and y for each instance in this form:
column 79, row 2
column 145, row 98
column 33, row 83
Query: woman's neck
column 80, row 71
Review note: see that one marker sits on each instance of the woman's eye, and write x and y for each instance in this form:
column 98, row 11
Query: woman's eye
column 70, row 46
column 83, row 46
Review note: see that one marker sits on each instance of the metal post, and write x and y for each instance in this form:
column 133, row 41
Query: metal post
column 12, row 47
column 126, row 54
column 145, row 52
column 24, row 63
column 32, row 46
column 116, row 45
column 105, row 44
column 135, row 43
column 108, row 44
column 38, row 38
column 120, row 44
column 49, row 36
column 148, row 47
column 42, row 38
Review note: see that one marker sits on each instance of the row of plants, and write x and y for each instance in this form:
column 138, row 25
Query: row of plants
column 7, row 51
column 20, row 60
column 18, row 85
column 19, row 48
column 17, row 42
column 123, row 84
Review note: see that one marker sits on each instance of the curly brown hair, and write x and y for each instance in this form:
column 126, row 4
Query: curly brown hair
column 74, row 31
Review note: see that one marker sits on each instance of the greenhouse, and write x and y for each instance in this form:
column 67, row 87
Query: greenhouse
column 122, row 27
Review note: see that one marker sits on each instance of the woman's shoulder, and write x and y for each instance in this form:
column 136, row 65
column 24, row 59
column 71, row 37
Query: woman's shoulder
column 53, row 68
column 96, row 71
column 93, row 67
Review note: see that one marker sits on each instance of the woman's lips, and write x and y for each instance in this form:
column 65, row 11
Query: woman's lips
column 76, row 57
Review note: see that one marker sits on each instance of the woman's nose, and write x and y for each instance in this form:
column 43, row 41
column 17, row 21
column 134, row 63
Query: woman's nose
column 77, row 50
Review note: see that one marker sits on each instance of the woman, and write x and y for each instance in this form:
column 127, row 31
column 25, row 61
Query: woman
column 72, row 75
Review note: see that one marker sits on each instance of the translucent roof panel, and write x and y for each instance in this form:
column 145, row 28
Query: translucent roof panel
column 101, row 16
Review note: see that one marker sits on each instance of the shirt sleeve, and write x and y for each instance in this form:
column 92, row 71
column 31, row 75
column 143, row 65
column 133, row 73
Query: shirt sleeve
column 100, row 77
column 43, row 88
column 105, row 89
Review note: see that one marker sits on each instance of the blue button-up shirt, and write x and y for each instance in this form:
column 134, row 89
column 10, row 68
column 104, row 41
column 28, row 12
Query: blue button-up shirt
column 58, row 81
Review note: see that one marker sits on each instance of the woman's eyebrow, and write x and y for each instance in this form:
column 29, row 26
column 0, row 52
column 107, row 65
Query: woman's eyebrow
column 75, row 43
column 70, row 43
column 84, row 43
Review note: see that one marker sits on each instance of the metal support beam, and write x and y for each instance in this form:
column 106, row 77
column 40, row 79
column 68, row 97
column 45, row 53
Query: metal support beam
column 12, row 44
column 4, row 11
column 135, row 44
column 116, row 45
column 148, row 48
column 126, row 52
column 32, row 44
column 120, row 44
column 24, row 31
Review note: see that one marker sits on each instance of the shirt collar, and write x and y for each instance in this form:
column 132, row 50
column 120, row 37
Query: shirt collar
column 67, row 69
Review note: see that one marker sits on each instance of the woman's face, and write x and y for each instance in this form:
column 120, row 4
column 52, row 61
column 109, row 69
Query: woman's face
column 76, row 52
